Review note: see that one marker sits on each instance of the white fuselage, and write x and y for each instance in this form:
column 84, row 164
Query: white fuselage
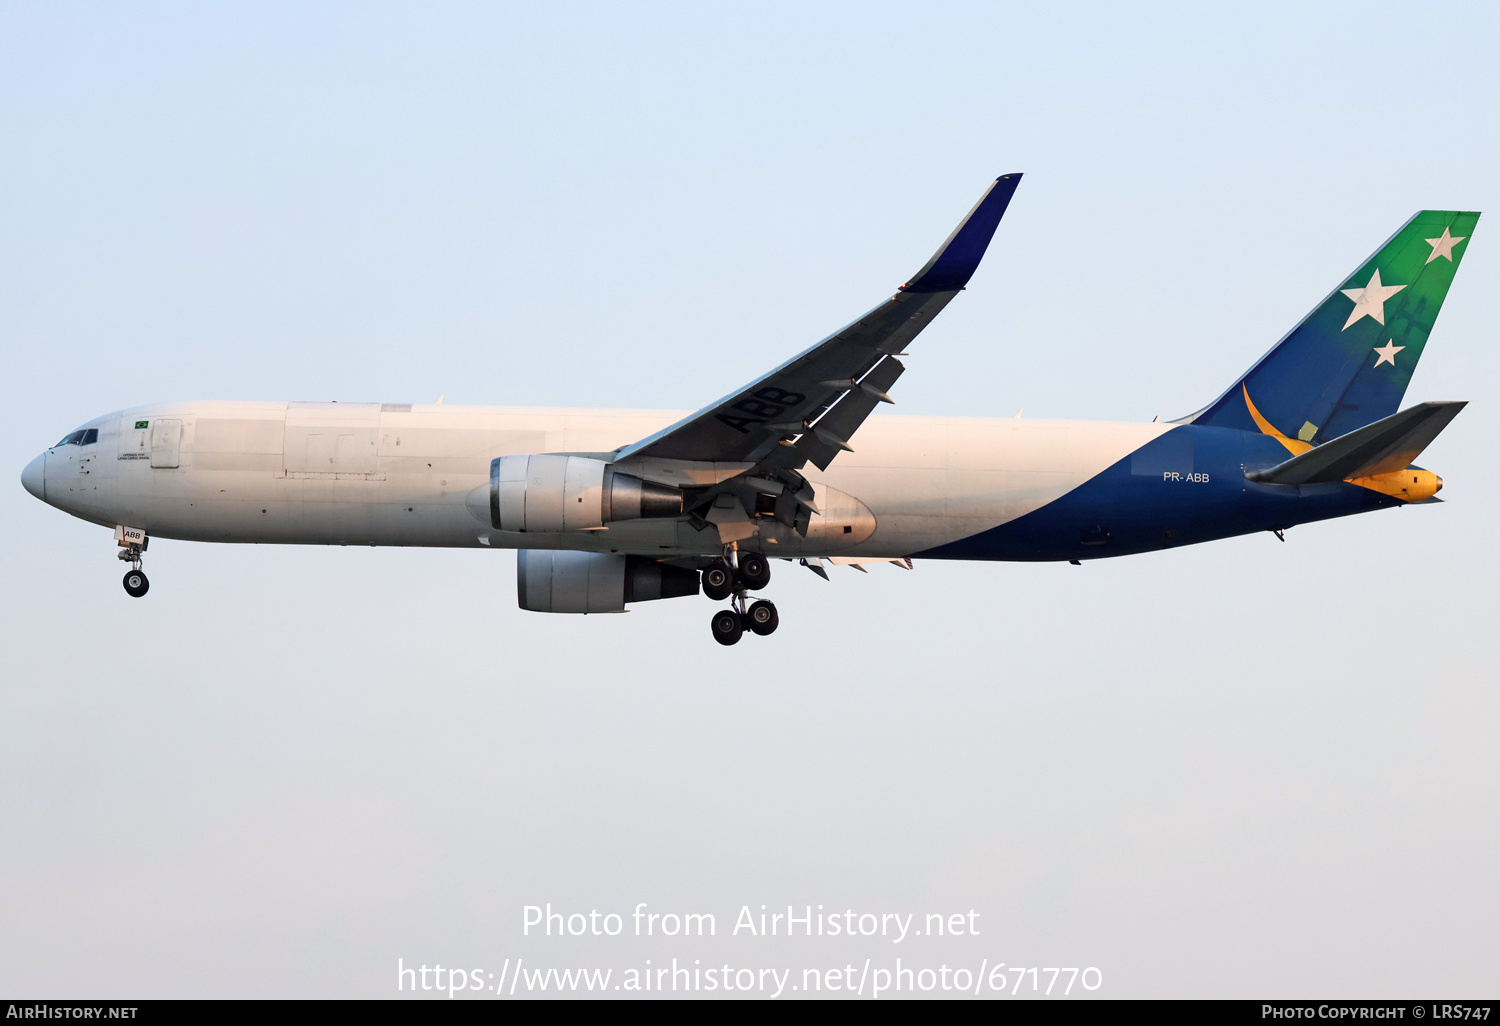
column 398, row 474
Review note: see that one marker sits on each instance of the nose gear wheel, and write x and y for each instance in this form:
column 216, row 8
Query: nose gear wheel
column 136, row 583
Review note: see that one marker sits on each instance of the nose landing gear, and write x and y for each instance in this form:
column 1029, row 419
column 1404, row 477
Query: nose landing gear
column 731, row 578
column 133, row 542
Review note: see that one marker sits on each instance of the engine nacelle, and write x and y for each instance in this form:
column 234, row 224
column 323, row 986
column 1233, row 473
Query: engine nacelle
column 556, row 581
column 557, row 494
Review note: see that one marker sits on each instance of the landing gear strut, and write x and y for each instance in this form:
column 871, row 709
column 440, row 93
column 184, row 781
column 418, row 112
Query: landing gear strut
column 731, row 578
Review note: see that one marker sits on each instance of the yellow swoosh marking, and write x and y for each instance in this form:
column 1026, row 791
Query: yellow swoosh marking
column 1295, row 446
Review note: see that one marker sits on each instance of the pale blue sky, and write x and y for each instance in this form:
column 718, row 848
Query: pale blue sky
column 1238, row 770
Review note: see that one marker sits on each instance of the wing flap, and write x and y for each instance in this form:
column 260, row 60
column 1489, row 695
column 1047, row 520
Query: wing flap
column 830, row 435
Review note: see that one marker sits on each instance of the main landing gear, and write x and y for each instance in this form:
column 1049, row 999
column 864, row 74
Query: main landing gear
column 726, row 580
column 132, row 545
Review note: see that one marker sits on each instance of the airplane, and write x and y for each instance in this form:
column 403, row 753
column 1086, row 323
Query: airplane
column 608, row 508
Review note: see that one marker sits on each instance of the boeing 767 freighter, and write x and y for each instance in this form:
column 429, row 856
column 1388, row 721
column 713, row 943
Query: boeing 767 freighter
column 612, row 507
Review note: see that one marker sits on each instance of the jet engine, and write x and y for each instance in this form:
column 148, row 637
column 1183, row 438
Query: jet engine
column 557, row 581
column 556, row 494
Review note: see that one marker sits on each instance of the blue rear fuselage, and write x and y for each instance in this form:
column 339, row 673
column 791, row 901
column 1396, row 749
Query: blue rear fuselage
column 1185, row 487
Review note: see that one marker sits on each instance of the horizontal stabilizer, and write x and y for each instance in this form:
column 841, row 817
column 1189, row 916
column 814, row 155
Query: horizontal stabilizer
column 1383, row 447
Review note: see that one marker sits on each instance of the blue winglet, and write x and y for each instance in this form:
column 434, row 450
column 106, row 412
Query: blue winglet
column 956, row 260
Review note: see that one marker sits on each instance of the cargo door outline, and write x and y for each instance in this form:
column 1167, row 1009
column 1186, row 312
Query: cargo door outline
column 331, row 441
column 166, row 444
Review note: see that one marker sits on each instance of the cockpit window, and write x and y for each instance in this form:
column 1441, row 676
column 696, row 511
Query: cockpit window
column 90, row 436
column 83, row 436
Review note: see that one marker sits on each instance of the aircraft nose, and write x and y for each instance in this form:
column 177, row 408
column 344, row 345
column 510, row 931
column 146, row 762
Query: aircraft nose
column 34, row 478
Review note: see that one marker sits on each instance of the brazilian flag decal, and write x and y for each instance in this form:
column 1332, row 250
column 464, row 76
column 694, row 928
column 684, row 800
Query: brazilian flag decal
column 142, row 425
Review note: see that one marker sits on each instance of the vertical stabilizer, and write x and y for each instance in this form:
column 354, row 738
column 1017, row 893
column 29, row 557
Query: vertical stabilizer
column 1347, row 364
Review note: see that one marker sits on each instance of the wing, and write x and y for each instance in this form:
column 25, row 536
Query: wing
column 809, row 407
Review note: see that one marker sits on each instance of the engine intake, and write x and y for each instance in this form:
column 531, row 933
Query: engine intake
column 556, row 494
column 557, row 581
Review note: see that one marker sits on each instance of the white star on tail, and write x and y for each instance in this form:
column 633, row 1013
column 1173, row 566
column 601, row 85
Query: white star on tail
column 1370, row 300
column 1387, row 353
column 1442, row 246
